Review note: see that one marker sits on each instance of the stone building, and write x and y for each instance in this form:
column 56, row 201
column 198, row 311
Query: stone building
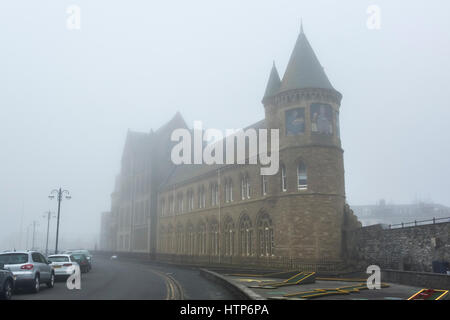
column 230, row 213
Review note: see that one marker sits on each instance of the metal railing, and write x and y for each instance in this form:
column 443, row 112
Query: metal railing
column 416, row 223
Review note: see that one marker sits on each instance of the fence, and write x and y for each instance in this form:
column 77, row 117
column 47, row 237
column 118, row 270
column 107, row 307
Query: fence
column 419, row 223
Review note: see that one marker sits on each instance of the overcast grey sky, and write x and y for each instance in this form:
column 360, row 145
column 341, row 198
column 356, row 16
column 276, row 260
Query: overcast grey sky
column 67, row 97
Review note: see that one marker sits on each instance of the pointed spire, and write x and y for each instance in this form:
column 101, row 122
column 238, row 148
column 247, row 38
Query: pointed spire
column 273, row 85
column 301, row 25
column 304, row 69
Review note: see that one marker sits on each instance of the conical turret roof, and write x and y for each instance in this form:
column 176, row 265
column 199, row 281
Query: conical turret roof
column 274, row 83
column 304, row 69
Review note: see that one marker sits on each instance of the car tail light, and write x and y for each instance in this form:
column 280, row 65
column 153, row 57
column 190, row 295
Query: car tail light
column 27, row 267
column 67, row 265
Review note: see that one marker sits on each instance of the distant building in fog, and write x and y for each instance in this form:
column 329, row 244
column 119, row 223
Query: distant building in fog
column 385, row 213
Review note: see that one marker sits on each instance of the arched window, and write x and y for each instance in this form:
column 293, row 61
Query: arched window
column 171, row 205
column 302, row 176
column 162, row 239
column 163, row 207
column 263, row 185
column 265, row 236
column 201, row 239
column 228, row 190
column 170, row 240
column 179, row 240
column 245, row 236
column 229, row 237
column 245, row 187
column 214, row 238
column 190, row 239
column 214, row 194
column 180, row 203
column 283, row 178
column 201, row 197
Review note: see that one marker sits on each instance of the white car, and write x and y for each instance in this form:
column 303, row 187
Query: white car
column 63, row 264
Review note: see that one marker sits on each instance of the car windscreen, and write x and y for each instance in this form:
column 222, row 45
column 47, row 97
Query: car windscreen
column 13, row 258
column 79, row 256
column 58, row 259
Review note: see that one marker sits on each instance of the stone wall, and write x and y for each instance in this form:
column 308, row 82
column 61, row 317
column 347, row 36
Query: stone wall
column 409, row 249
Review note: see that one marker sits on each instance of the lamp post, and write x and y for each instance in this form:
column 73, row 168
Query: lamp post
column 34, row 224
column 47, row 215
column 59, row 194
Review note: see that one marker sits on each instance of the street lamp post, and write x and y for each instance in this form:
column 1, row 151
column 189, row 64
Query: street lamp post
column 34, row 232
column 59, row 194
column 47, row 215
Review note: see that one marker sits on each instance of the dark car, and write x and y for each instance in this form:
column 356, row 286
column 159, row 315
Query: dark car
column 6, row 283
column 82, row 261
column 82, row 251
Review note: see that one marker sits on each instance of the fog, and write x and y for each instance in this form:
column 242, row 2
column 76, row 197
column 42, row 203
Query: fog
column 68, row 97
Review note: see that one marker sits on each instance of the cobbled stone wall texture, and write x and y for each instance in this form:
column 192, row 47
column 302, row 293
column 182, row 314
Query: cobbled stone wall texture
column 410, row 249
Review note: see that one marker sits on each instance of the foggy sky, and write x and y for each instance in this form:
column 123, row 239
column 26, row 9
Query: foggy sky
column 67, row 97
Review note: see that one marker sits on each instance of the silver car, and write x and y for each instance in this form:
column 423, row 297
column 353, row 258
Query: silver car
column 63, row 264
column 30, row 268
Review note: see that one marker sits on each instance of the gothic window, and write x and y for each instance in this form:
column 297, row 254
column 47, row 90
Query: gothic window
column 201, row 197
column 190, row 239
column 190, row 200
column 230, row 190
column 214, row 194
column 263, row 185
column 229, row 237
column 245, row 187
column 201, row 239
column 283, row 178
column 162, row 239
column 171, row 205
column 214, row 239
column 227, row 195
column 302, row 176
column 179, row 240
column 265, row 235
column 170, row 240
column 180, row 203
column 163, row 207
column 245, row 239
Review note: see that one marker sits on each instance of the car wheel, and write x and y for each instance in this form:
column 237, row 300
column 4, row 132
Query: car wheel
column 51, row 283
column 7, row 291
column 36, row 284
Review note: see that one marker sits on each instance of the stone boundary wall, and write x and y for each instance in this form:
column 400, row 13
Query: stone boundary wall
column 418, row 279
column 409, row 249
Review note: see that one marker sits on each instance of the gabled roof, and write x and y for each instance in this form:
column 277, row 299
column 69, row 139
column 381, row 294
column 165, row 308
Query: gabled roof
column 184, row 172
column 304, row 69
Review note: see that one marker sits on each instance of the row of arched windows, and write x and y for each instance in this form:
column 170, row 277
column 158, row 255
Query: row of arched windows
column 176, row 205
column 209, row 241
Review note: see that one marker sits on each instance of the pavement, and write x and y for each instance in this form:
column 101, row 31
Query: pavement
column 390, row 292
column 124, row 280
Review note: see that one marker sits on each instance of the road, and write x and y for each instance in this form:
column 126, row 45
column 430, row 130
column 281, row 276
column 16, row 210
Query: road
column 115, row 279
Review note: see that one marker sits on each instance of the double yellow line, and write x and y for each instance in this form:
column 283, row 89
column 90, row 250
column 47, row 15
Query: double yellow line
column 173, row 288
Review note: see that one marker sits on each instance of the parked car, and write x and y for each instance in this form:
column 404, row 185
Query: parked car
column 30, row 269
column 82, row 251
column 7, row 282
column 63, row 264
column 83, row 262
